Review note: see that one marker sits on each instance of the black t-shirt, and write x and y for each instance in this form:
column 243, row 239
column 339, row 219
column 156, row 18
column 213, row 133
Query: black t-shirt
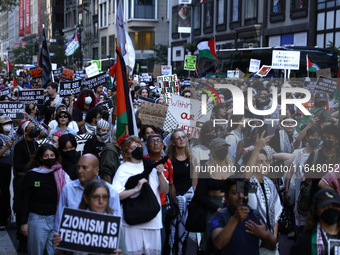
column 181, row 174
column 78, row 114
column 23, row 151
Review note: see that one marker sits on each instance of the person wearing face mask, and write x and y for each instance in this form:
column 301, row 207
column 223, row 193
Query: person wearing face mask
column 322, row 232
column 14, row 94
column 210, row 183
column 86, row 100
column 6, row 139
column 100, row 138
column 69, row 155
column 41, row 188
column 145, row 237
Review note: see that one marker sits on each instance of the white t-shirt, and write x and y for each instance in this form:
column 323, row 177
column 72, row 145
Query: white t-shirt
column 73, row 125
column 124, row 172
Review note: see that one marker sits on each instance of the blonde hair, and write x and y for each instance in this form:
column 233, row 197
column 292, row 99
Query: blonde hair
column 171, row 150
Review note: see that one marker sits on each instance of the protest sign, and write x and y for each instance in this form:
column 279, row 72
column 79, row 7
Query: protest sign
column 67, row 74
column 286, row 60
column 254, row 65
column 190, row 63
column 152, row 114
column 90, row 232
column 98, row 63
column 108, row 104
column 57, row 72
column 166, row 70
column 264, row 70
column 31, row 95
column 324, row 72
column 79, row 74
column 167, row 85
column 233, row 74
column 92, row 70
column 36, row 72
column 95, row 81
column 5, row 92
column 145, row 77
column 69, row 88
column 186, row 114
column 156, row 71
column 14, row 110
column 326, row 84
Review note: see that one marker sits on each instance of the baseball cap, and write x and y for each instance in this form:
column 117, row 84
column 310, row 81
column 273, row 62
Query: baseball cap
column 320, row 97
column 59, row 105
column 217, row 142
column 5, row 119
column 154, row 135
column 325, row 197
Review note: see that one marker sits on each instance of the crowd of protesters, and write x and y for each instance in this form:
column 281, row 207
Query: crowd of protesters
column 243, row 213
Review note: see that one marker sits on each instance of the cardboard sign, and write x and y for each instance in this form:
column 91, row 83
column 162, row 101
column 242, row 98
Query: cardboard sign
column 67, row 74
column 70, row 88
column 186, row 114
column 31, row 95
column 152, row 114
column 95, row 81
column 92, row 70
column 286, row 60
column 14, row 110
column 325, row 84
column 324, row 72
column 57, row 72
column 166, row 70
column 190, row 63
column 36, row 72
column 254, row 65
column 156, row 71
column 90, row 232
column 264, row 71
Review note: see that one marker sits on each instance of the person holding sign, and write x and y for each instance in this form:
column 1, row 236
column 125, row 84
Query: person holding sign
column 41, row 189
column 63, row 118
column 95, row 198
column 143, row 237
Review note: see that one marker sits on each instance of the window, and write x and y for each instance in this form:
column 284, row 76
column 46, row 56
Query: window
column 143, row 40
column 221, row 17
column 251, row 9
column 95, row 53
column 197, row 21
column 174, row 28
column 95, row 7
column 235, row 13
column 323, row 4
column 278, row 6
column 277, row 10
column 208, row 17
column 112, row 45
column 103, row 14
column 144, row 9
column 95, row 30
column 298, row 9
column 109, row 8
column 103, row 47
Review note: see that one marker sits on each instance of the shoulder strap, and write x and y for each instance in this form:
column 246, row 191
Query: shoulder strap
column 315, row 156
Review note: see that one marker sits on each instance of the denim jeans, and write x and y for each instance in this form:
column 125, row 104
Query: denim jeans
column 40, row 233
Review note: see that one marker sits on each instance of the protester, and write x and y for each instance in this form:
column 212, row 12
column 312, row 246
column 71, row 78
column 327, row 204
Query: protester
column 86, row 100
column 67, row 145
column 110, row 161
column 145, row 237
column 91, row 120
column 52, row 94
column 63, row 118
column 41, row 189
column 54, row 123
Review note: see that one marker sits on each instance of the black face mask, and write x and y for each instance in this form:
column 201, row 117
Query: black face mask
column 33, row 133
column 48, row 162
column 328, row 144
column 70, row 155
column 330, row 216
column 314, row 142
column 16, row 93
column 137, row 153
column 221, row 154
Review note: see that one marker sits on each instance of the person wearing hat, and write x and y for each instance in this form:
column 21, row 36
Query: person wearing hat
column 210, row 183
column 322, row 232
column 54, row 123
column 320, row 102
column 63, row 118
column 101, row 137
column 6, row 140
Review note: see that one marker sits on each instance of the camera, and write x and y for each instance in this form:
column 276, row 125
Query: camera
column 246, row 187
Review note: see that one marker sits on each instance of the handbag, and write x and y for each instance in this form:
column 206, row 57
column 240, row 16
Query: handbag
column 141, row 209
column 172, row 209
column 196, row 219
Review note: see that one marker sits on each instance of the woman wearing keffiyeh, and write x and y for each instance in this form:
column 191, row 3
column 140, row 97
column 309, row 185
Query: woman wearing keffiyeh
column 41, row 188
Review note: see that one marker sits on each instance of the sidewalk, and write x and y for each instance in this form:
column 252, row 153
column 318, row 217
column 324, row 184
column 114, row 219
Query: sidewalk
column 6, row 245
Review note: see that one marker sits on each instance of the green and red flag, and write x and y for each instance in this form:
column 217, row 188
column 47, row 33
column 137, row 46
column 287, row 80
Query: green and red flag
column 125, row 112
column 207, row 48
column 311, row 67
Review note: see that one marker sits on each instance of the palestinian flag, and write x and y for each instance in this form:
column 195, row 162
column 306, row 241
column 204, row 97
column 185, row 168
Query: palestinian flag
column 125, row 113
column 206, row 48
column 9, row 66
column 15, row 83
column 311, row 67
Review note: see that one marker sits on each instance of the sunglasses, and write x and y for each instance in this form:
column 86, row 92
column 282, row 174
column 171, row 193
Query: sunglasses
column 63, row 116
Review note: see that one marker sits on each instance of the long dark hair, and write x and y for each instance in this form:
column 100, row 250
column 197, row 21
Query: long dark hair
column 90, row 189
column 64, row 139
column 36, row 158
column 81, row 99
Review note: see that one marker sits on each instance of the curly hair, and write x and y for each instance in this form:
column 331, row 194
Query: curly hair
column 126, row 145
column 171, row 150
column 81, row 99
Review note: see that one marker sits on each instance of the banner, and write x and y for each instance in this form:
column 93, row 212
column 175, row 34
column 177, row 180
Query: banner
column 67, row 74
column 184, row 18
column 27, row 16
column 28, row 96
column 21, row 18
column 95, row 81
column 286, row 60
column 167, row 85
column 186, row 114
column 36, row 72
column 120, row 26
column 69, row 88
column 90, row 232
column 14, row 110
column 72, row 45
column 151, row 114
column 326, row 84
